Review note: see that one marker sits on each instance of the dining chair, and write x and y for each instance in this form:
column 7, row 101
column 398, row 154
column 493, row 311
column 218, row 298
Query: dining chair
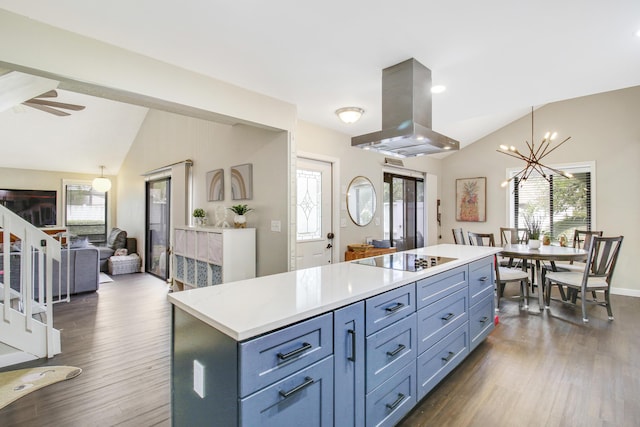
column 601, row 261
column 458, row 236
column 504, row 275
column 513, row 235
column 581, row 240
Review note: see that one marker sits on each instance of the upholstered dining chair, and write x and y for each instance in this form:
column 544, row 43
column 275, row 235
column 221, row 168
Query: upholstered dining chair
column 516, row 236
column 458, row 236
column 601, row 261
column 581, row 240
column 504, row 275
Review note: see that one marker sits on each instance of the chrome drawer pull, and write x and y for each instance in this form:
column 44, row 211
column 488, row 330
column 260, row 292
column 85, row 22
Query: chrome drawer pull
column 305, row 346
column 484, row 319
column 395, row 404
column 449, row 356
column 396, row 351
column 394, row 308
column 352, row 358
column 307, row 382
column 448, row 317
column 483, row 279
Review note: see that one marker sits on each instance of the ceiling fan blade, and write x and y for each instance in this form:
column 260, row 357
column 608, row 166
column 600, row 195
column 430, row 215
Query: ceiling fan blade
column 57, row 104
column 50, row 94
column 45, row 108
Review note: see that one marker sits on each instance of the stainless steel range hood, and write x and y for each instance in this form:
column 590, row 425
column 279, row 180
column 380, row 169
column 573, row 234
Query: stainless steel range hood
column 406, row 115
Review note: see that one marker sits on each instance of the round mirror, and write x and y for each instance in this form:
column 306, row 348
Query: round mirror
column 361, row 200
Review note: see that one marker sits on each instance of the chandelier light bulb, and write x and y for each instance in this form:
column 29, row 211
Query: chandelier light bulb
column 504, row 147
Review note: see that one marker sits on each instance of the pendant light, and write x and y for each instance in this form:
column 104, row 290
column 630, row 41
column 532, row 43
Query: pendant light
column 101, row 183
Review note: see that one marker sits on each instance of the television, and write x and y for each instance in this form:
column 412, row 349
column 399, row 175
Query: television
column 35, row 206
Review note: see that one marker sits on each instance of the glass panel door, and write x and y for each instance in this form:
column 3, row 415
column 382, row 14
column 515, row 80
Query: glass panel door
column 403, row 214
column 157, row 228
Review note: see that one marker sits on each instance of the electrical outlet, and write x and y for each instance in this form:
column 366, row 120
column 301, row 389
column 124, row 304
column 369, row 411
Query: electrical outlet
column 198, row 378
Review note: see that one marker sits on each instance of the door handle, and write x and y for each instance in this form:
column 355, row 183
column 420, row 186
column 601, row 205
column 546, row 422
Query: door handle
column 330, row 235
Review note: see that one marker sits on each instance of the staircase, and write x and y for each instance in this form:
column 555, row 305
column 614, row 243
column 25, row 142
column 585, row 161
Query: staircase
column 26, row 291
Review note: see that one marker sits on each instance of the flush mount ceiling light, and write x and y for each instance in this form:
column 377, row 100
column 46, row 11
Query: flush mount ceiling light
column 534, row 157
column 349, row 114
column 438, row 88
column 101, row 183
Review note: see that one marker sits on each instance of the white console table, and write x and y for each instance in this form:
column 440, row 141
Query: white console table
column 206, row 256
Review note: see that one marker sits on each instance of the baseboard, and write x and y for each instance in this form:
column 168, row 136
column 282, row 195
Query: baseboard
column 10, row 356
column 625, row 292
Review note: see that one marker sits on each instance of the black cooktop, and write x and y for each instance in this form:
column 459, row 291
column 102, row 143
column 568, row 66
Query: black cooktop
column 405, row 262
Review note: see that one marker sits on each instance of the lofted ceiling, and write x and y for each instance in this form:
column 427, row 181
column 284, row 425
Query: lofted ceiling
column 497, row 58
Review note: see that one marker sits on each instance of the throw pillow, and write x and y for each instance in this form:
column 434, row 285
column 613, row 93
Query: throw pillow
column 121, row 252
column 80, row 243
column 117, row 239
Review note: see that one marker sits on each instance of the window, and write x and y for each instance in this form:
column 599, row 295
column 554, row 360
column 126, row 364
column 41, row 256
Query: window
column 86, row 212
column 561, row 204
column 309, row 217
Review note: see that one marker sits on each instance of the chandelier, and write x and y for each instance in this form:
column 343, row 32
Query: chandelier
column 534, row 157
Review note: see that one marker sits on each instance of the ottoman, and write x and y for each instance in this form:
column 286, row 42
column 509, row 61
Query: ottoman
column 124, row 264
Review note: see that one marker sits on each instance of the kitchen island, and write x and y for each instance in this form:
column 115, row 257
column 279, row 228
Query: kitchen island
column 354, row 343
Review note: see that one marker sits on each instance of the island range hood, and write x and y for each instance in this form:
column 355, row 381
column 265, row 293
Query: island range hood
column 406, row 115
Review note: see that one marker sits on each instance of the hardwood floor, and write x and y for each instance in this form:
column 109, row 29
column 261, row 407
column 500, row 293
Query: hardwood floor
column 120, row 337
column 533, row 370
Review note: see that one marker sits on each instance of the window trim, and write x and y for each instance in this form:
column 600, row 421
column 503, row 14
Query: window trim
column 587, row 166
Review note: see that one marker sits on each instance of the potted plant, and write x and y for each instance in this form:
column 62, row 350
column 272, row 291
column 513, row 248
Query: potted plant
column 199, row 214
column 240, row 220
column 533, row 225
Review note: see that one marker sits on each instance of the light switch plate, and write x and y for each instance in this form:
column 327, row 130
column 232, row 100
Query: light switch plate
column 276, row 225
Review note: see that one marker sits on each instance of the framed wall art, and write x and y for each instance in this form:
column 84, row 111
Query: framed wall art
column 471, row 203
column 242, row 182
column 215, row 185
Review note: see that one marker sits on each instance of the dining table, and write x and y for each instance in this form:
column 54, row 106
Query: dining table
column 550, row 253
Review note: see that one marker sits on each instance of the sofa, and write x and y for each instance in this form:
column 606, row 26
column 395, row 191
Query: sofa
column 79, row 264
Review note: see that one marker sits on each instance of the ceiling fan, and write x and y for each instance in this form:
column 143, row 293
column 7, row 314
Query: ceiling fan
column 41, row 102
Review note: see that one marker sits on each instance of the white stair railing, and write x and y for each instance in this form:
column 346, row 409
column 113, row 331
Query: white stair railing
column 32, row 254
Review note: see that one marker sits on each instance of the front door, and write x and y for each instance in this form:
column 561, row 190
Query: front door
column 314, row 212
column 158, row 232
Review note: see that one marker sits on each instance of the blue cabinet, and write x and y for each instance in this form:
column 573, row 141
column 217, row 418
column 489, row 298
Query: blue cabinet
column 365, row 364
column 302, row 399
column 349, row 364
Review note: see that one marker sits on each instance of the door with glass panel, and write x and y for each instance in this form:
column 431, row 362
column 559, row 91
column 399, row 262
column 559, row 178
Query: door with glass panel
column 157, row 228
column 404, row 215
column 314, row 246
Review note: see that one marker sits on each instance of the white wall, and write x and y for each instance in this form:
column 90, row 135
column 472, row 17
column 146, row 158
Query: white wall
column 354, row 162
column 603, row 128
column 166, row 138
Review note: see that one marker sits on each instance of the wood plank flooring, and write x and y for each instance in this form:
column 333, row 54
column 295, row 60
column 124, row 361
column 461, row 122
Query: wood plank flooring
column 533, row 370
column 120, row 337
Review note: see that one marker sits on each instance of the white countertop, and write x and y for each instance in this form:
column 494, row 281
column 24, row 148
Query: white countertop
column 247, row 308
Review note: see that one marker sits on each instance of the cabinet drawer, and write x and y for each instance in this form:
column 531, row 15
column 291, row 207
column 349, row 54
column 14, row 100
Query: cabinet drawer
column 437, row 320
column 389, row 350
column 305, row 398
column 387, row 404
column 439, row 286
column 384, row 309
column 481, row 278
column 481, row 321
column 435, row 363
column 274, row 356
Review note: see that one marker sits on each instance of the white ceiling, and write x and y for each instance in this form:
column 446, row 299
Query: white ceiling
column 496, row 57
